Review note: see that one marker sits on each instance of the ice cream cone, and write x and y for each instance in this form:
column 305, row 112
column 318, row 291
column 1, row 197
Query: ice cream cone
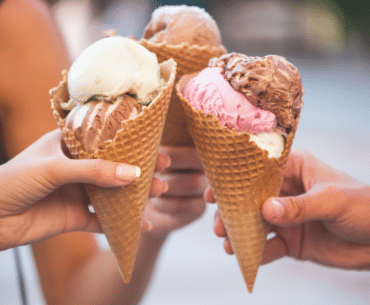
column 242, row 177
column 120, row 210
column 189, row 59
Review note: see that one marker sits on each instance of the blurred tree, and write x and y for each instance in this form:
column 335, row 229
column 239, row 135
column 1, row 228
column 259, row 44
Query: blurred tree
column 353, row 14
column 357, row 15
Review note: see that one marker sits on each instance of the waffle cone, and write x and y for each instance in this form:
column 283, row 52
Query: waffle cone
column 120, row 210
column 189, row 59
column 241, row 176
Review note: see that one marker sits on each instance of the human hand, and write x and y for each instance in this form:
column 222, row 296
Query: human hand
column 183, row 202
column 322, row 216
column 41, row 195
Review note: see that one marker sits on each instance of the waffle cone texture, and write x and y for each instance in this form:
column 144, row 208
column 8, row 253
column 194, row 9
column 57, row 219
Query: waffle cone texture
column 120, row 210
column 242, row 178
column 189, row 59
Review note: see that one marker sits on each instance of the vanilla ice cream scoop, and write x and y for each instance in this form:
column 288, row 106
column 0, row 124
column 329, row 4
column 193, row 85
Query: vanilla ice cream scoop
column 113, row 66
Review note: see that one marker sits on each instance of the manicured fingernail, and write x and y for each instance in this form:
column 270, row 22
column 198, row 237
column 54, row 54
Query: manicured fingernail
column 127, row 173
column 138, row 172
column 278, row 209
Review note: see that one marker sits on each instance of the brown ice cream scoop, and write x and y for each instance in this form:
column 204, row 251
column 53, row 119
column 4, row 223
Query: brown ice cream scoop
column 95, row 122
column 180, row 23
column 270, row 83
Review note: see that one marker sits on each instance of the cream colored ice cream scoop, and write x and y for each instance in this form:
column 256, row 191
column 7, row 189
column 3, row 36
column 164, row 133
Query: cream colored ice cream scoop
column 113, row 66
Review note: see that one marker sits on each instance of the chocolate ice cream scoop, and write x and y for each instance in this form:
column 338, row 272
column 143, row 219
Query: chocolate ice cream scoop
column 175, row 24
column 98, row 121
column 270, row 83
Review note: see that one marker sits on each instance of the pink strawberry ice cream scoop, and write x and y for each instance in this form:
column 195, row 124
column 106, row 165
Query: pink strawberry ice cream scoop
column 210, row 92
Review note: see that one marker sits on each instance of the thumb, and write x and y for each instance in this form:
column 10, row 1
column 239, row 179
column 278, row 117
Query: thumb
column 320, row 203
column 94, row 171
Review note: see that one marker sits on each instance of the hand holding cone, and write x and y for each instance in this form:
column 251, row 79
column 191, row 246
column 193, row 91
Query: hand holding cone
column 120, row 210
column 242, row 177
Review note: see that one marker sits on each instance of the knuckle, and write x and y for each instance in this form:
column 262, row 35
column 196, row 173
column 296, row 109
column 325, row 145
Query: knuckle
column 178, row 205
column 52, row 167
column 201, row 208
column 98, row 169
column 296, row 210
column 5, row 243
column 302, row 154
column 333, row 190
column 9, row 237
column 302, row 158
column 196, row 207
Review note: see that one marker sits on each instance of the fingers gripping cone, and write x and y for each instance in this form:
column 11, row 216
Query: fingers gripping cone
column 189, row 59
column 120, row 210
column 242, row 177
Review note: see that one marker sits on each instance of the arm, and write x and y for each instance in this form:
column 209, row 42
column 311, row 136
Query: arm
column 71, row 266
column 323, row 216
column 82, row 273
column 32, row 56
column 41, row 198
column 180, row 205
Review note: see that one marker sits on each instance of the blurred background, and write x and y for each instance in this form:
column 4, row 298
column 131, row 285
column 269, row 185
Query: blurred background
column 329, row 43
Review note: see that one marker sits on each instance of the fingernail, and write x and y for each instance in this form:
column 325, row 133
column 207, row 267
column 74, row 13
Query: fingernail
column 147, row 226
column 165, row 187
column 208, row 196
column 216, row 214
column 278, row 209
column 168, row 164
column 127, row 173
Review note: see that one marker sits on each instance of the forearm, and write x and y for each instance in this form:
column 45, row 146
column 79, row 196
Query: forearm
column 57, row 258
column 32, row 56
column 148, row 252
column 98, row 281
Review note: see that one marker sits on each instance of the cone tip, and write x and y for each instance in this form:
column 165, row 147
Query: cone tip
column 127, row 278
